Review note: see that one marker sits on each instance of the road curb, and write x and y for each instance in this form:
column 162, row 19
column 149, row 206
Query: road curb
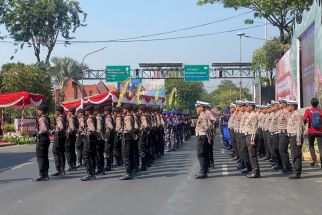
column 9, row 144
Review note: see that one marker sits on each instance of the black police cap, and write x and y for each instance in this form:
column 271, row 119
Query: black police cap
column 88, row 108
column 108, row 108
column 43, row 107
column 72, row 109
column 59, row 108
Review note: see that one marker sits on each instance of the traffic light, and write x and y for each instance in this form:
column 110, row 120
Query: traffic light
column 137, row 74
column 220, row 72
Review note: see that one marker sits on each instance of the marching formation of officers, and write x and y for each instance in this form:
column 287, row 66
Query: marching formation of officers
column 267, row 130
column 100, row 138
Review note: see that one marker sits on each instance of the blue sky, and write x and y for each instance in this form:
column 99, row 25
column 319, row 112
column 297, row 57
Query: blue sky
column 110, row 19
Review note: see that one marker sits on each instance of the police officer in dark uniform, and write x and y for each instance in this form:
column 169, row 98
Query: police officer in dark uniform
column 136, row 127
column 143, row 137
column 59, row 142
column 109, row 138
column 43, row 143
column 72, row 127
column 100, row 144
column 80, row 137
column 127, row 143
column 117, row 146
column 89, row 150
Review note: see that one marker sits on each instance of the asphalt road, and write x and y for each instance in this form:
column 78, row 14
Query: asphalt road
column 167, row 188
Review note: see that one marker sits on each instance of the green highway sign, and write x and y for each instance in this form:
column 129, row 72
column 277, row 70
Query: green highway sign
column 195, row 73
column 117, row 73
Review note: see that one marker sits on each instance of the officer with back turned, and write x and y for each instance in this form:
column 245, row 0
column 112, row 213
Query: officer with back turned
column 100, row 144
column 43, row 142
column 80, row 137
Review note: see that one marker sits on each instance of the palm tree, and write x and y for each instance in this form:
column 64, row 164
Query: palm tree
column 63, row 69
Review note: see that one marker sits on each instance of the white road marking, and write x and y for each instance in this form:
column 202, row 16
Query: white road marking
column 21, row 165
column 224, row 169
column 222, row 151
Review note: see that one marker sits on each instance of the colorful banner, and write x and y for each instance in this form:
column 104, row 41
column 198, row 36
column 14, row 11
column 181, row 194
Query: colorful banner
column 285, row 86
column 153, row 86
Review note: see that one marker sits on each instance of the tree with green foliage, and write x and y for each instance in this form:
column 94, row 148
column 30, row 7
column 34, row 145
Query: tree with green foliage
column 188, row 93
column 39, row 23
column 266, row 58
column 280, row 13
column 63, row 69
column 20, row 77
column 226, row 93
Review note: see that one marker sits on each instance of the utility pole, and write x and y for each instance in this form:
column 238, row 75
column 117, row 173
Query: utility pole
column 240, row 60
column 266, row 31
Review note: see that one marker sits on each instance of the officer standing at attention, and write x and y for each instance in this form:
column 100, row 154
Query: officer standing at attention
column 72, row 127
column 59, row 142
column 100, row 144
column 127, row 146
column 143, row 138
column 243, row 145
column 80, row 137
column 273, row 129
column 109, row 138
column 89, row 150
column 283, row 139
column 250, row 129
column 295, row 134
column 117, row 146
column 202, row 128
column 43, row 143
column 268, row 120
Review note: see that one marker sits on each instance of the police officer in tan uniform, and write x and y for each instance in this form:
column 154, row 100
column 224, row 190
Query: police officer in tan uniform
column 109, row 138
column 202, row 129
column 70, row 150
column 283, row 139
column 273, row 129
column 295, row 134
column 89, row 150
column 243, row 144
column 117, row 146
column 250, row 130
column 127, row 143
column 100, row 143
column 42, row 144
column 80, row 137
column 143, row 137
column 59, row 142
column 231, row 131
column 268, row 120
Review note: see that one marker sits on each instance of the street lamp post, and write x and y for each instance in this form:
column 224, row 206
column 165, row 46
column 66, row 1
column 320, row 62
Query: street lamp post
column 82, row 72
column 241, row 34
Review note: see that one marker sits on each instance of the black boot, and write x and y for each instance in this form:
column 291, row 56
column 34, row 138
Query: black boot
column 57, row 173
column 201, row 175
column 127, row 176
column 100, row 172
column 89, row 176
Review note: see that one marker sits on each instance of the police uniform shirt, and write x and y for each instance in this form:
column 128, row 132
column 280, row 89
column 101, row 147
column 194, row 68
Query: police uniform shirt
column 273, row 128
column 251, row 124
column 128, row 124
column 71, row 124
column 90, row 124
column 243, row 121
column 161, row 120
column 109, row 123
column 203, row 124
column 81, row 122
column 268, row 121
column 261, row 118
column 231, row 121
column 238, row 121
column 136, row 122
column 99, row 123
column 144, row 122
column 294, row 125
column 282, row 120
column 43, row 123
column 60, row 123
column 118, row 124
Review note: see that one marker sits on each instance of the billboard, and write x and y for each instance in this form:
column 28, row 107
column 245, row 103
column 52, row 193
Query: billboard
column 152, row 86
column 286, row 87
column 307, row 44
